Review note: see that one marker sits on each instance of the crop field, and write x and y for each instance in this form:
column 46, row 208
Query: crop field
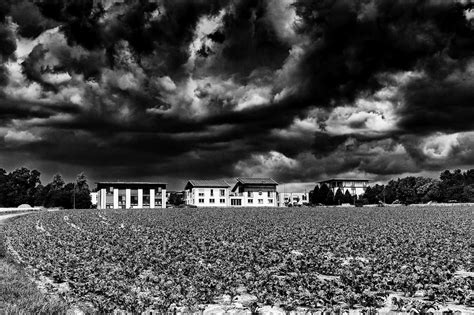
column 312, row 258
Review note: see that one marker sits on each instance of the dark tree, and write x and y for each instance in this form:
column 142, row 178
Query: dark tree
column 81, row 195
column 322, row 194
column 329, row 198
column 348, row 198
column 313, row 195
column 338, row 197
column 370, row 195
column 176, row 198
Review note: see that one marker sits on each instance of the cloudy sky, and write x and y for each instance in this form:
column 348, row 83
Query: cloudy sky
column 298, row 90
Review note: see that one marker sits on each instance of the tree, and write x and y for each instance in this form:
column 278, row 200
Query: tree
column 176, row 198
column 338, row 197
column 348, row 198
column 452, row 185
column 54, row 195
column 58, row 182
column 313, row 195
column 81, row 193
column 322, row 194
column 20, row 187
column 370, row 195
column 468, row 193
column 329, row 200
column 3, row 188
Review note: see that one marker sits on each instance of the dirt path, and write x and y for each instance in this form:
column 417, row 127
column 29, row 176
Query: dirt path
column 4, row 218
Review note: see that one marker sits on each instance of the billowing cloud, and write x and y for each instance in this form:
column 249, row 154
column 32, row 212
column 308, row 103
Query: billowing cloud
column 293, row 89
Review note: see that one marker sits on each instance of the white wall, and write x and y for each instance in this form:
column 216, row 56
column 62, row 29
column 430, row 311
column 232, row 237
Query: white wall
column 298, row 198
column 201, row 197
column 101, row 199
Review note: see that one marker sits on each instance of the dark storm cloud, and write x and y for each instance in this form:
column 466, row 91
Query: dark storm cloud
column 439, row 102
column 13, row 109
column 355, row 40
column 138, row 97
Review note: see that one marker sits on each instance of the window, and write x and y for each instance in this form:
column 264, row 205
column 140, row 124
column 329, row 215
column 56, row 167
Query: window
column 304, row 197
column 222, row 200
column 260, row 201
column 109, row 198
column 259, row 193
column 222, row 192
column 134, row 197
column 269, row 194
column 249, row 194
column 201, row 194
column 211, row 200
column 201, row 200
column 121, row 198
column 212, row 192
column 146, row 198
column 250, row 201
column 158, row 195
column 235, row 202
column 270, row 200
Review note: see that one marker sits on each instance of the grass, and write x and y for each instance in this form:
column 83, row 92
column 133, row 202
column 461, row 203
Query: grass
column 18, row 293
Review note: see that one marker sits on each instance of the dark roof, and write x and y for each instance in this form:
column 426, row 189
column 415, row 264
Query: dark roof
column 256, row 181
column 207, row 183
column 130, row 184
column 344, row 179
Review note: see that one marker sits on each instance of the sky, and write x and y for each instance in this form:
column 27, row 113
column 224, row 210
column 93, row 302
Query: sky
column 296, row 90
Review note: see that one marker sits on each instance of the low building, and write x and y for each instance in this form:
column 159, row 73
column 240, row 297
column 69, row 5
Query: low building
column 94, row 198
column 206, row 193
column 293, row 198
column 130, row 195
column 355, row 187
column 254, row 192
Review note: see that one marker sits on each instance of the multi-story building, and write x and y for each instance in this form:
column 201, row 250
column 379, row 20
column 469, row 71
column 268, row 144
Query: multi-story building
column 354, row 186
column 130, row 195
column 207, row 193
column 294, row 199
column 254, row 192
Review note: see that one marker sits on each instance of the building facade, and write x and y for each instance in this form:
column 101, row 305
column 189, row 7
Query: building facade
column 131, row 195
column 293, row 199
column 354, row 186
column 207, row 193
column 254, row 192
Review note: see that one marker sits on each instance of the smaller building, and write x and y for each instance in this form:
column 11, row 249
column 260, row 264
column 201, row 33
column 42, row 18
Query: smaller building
column 254, row 192
column 130, row 195
column 94, row 198
column 206, row 193
column 293, row 199
column 355, row 187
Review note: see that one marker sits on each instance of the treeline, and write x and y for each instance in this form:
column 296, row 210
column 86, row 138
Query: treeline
column 23, row 186
column 452, row 186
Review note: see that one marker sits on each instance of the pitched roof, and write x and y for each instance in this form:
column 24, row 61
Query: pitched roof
column 344, row 179
column 254, row 181
column 207, row 183
column 132, row 183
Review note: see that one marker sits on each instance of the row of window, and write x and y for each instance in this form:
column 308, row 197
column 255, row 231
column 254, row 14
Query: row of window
column 221, row 192
column 201, row 200
column 249, row 201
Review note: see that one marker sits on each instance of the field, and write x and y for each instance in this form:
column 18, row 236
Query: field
column 316, row 258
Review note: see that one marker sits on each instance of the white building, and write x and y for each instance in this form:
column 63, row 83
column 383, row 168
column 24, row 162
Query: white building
column 131, row 195
column 294, row 198
column 354, row 186
column 207, row 193
column 254, row 192
column 94, row 198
